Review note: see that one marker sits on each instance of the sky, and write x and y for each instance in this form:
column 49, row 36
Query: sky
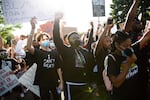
column 78, row 13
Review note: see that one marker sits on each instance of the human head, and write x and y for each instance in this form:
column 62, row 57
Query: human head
column 44, row 41
column 3, row 54
column 22, row 37
column 66, row 42
column 121, row 41
column 74, row 39
column 35, row 44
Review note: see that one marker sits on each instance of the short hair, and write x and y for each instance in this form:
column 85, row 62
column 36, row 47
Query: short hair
column 41, row 36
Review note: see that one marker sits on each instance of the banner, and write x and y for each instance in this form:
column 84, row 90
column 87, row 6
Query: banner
column 47, row 27
column 27, row 80
column 18, row 11
column 7, row 81
column 98, row 8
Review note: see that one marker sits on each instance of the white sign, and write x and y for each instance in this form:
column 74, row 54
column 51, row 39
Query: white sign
column 18, row 11
column 98, row 8
column 7, row 81
column 27, row 80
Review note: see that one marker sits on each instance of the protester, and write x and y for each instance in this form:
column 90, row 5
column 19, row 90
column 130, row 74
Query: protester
column 124, row 72
column 77, row 63
column 101, row 50
column 48, row 66
column 21, row 43
column 136, row 30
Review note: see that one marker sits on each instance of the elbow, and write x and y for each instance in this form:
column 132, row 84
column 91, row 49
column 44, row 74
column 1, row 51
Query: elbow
column 116, row 85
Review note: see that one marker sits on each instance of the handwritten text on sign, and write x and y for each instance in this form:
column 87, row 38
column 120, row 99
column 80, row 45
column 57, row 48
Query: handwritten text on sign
column 17, row 11
column 7, row 81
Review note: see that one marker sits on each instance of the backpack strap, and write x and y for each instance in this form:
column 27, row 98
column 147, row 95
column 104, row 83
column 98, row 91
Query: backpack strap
column 106, row 60
column 112, row 57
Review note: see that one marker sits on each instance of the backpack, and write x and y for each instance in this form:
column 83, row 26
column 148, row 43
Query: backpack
column 106, row 79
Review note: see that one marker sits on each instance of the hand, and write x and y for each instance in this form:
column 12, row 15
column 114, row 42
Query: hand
column 60, row 85
column 131, row 59
column 33, row 22
column 59, row 15
column 137, row 1
column 91, row 23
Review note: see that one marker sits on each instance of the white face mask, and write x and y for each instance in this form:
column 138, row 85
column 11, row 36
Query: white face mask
column 45, row 43
column 52, row 44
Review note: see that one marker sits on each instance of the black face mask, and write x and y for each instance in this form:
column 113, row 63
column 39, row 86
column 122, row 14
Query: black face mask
column 127, row 52
column 75, row 43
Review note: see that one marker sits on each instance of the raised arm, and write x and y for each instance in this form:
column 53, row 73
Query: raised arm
column 90, row 38
column 56, row 33
column 144, row 40
column 29, row 41
column 101, row 37
column 130, row 16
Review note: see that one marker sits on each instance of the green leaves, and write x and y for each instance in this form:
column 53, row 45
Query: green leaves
column 6, row 29
column 120, row 9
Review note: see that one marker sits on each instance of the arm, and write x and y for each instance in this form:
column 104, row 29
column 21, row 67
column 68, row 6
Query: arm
column 98, row 30
column 56, row 33
column 118, row 80
column 90, row 39
column 130, row 16
column 99, row 42
column 61, row 78
column 144, row 40
column 29, row 41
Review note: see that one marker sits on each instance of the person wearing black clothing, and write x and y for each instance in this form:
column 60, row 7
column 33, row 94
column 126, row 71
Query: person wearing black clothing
column 135, row 28
column 125, row 71
column 48, row 66
column 77, row 63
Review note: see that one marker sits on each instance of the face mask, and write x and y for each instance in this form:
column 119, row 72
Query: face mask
column 127, row 52
column 75, row 43
column 45, row 43
column 52, row 45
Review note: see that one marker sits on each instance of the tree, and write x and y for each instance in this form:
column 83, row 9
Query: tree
column 120, row 9
column 6, row 29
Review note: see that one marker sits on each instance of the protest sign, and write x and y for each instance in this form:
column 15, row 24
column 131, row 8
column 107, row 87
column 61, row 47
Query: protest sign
column 27, row 80
column 47, row 27
column 18, row 11
column 7, row 81
column 98, row 8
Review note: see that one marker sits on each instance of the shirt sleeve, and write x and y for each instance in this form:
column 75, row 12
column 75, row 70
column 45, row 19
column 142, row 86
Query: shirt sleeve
column 112, row 67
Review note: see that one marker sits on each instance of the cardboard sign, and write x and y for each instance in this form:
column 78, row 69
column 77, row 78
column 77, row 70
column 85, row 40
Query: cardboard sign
column 18, row 11
column 98, row 8
column 27, row 80
column 47, row 27
column 7, row 81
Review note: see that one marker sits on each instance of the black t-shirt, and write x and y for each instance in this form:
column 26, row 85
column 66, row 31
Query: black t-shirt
column 47, row 64
column 131, row 88
column 70, row 71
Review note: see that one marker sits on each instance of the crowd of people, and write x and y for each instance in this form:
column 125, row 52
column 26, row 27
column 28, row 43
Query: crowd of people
column 74, row 64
